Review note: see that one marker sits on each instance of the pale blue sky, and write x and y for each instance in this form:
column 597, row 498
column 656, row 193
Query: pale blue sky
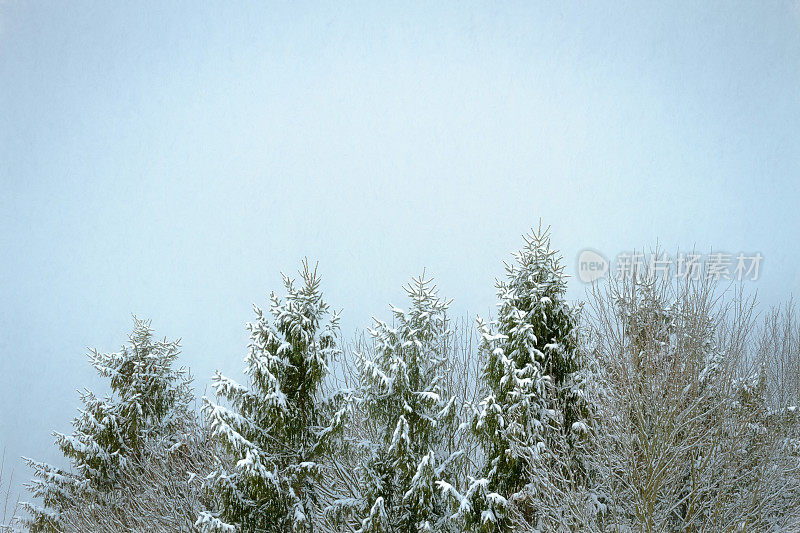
column 170, row 159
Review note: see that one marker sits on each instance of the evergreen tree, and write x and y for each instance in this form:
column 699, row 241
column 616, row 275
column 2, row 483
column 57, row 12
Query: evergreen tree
column 275, row 428
column 534, row 401
column 402, row 394
column 148, row 402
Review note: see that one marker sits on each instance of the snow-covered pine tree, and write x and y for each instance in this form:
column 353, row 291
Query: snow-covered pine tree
column 402, row 394
column 274, row 427
column 149, row 401
column 533, row 397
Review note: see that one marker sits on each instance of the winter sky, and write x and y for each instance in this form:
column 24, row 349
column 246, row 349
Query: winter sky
column 170, row 159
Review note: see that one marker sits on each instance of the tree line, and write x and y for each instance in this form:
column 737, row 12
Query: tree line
column 655, row 405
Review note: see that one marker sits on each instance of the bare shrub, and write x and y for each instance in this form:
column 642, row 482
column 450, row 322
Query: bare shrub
column 779, row 348
column 685, row 438
column 157, row 492
column 10, row 508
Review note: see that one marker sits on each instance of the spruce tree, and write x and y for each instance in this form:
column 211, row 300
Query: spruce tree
column 533, row 402
column 274, row 428
column 402, row 393
column 149, row 400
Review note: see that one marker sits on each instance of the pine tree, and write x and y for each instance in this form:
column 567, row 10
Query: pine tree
column 402, row 394
column 275, row 428
column 148, row 402
column 534, row 401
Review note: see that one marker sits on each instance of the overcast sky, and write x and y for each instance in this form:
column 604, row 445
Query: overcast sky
column 171, row 159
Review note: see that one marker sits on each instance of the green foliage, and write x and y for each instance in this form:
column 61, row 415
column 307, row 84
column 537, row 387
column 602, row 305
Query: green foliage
column 148, row 402
column 402, row 393
column 275, row 428
column 533, row 402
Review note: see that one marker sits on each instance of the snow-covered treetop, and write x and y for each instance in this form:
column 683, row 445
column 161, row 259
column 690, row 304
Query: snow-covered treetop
column 290, row 348
column 403, row 393
column 536, row 326
column 410, row 351
column 274, row 427
column 537, row 271
column 148, row 404
column 143, row 379
column 531, row 355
